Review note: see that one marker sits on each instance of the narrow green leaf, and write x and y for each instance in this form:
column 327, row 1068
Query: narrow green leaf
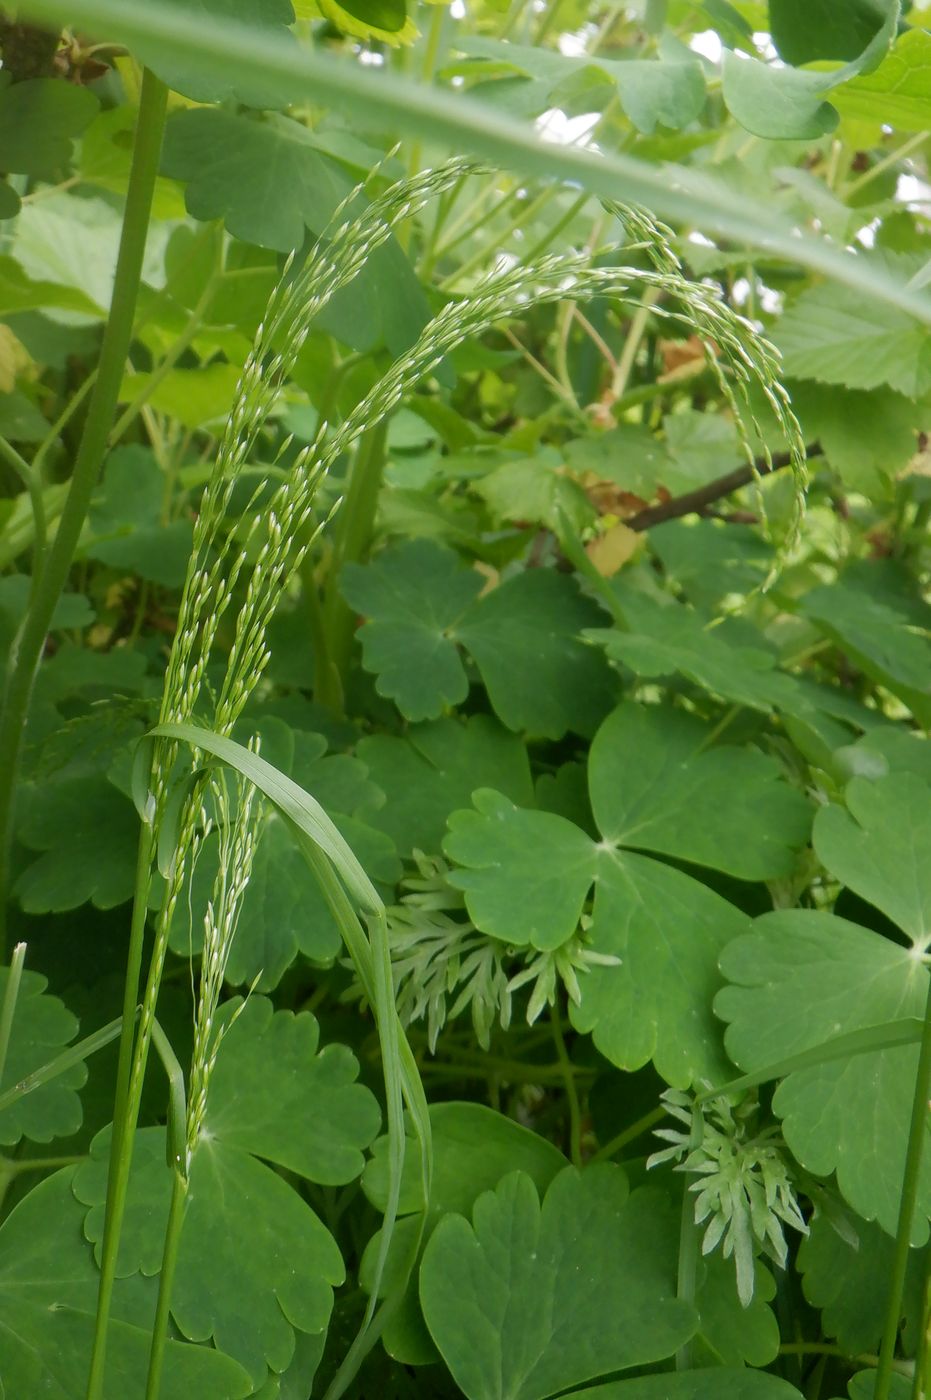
column 461, row 123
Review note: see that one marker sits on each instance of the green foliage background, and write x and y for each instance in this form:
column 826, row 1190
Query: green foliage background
column 634, row 752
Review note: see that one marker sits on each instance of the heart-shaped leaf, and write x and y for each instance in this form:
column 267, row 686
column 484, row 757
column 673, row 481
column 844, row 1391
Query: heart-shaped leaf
column 800, row 978
column 48, row 1301
column 530, row 1299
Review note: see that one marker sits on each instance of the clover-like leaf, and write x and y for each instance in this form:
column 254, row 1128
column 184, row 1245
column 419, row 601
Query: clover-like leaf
column 87, row 832
column 664, row 640
column 48, row 1302
column 434, row 768
column 41, row 1028
column 525, row 638
column 414, row 596
column 526, row 873
column 272, row 17
column 276, row 1094
column 782, row 102
column 730, row 1333
column 527, row 876
column 717, row 1383
column 473, row 1148
column 881, row 639
column 38, row 119
column 265, row 177
column 667, row 930
column 840, row 1279
column 799, row 979
column 125, row 525
column 489, row 1289
column 254, row 1260
column 656, row 788
column 879, row 847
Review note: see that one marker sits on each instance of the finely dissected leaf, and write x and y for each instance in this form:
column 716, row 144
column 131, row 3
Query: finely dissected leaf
column 277, row 1095
column 800, row 978
column 434, row 769
column 42, row 1027
column 841, row 1281
column 48, row 1287
column 655, row 788
column 879, row 847
column 473, row 1148
column 267, row 178
column 878, row 637
column 830, row 334
column 126, row 526
column 527, row 873
column 489, row 1289
column 898, row 89
column 414, row 595
column 38, row 119
column 88, row 834
column 713, row 1384
column 524, row 637
column 254, row 1263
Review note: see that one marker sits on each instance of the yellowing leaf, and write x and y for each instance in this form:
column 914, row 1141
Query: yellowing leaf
column 610, row 551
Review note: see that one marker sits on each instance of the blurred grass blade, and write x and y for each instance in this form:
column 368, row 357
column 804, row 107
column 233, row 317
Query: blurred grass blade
column 290, row 799
column 884, row 1036
column 340, row 876
column 74, row 1055
column 465, row 125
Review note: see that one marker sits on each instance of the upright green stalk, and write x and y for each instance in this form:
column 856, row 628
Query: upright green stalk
column 354, row 526
column 910, row 1183
column 27, row 648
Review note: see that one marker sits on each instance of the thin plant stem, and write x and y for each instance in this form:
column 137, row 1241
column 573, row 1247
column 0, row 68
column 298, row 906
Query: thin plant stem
column 482, row 255
column 635, row 334
column 687, row 1272
column 636, row 1129
column 437, row 25
column 10, row 995
column 353, row 532
column 572, row 1093
column 74, row 1055
column 168, row 362
column 881, row 166
column 123, row 1119
column 179, row 1189
column 910, row 1183
column 27, row 649
column 33, row 484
